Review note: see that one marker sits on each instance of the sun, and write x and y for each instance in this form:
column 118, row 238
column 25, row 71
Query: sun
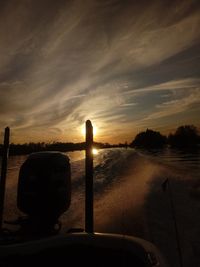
column 83, row 131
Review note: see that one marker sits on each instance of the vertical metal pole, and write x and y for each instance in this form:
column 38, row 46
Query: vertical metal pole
column 3, row 173
column 175, row 226
column 89, row 179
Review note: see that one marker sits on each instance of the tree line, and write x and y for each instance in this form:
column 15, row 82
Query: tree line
column 27, row 148
column 185, row 137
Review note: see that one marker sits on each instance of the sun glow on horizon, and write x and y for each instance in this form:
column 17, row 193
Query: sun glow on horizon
column 95, row 130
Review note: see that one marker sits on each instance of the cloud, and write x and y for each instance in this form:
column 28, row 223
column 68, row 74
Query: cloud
column 179, row 84
column 62, row 62
column 128, row 105
column 173, row 107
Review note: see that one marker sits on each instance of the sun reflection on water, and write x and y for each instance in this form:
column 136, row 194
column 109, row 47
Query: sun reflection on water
column 95, row 151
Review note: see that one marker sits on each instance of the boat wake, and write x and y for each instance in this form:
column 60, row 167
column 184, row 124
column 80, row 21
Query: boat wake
column 129, row 199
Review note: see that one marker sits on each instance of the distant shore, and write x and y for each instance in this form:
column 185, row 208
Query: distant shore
column 27, row 148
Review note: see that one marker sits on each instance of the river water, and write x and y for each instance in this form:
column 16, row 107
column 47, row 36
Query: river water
column 129, row 197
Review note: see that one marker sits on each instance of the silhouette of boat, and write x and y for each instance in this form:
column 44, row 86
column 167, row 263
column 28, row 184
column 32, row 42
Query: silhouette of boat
column 43, row 195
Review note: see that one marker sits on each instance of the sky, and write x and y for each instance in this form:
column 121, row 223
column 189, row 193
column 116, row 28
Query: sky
column 125, row 65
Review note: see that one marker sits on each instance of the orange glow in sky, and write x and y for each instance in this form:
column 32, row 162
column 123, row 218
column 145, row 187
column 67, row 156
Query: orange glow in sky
column 95, row 131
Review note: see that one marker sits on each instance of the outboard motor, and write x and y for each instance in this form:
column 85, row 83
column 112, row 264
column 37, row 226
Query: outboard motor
column 44, row 191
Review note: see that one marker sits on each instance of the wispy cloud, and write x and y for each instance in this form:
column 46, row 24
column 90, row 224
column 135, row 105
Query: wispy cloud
column 173, row 107
column 187, row 83
column 62, row 62
column 128, row 105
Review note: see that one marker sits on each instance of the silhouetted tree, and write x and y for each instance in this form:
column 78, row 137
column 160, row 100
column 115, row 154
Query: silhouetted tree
column 149, row 139
column 27, row 148
column 185, row 137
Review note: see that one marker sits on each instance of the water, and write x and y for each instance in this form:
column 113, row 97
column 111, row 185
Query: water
column 190, row 159
column 129, row 198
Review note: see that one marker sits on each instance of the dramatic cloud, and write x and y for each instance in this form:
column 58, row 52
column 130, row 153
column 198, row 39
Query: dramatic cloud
column 126, row 65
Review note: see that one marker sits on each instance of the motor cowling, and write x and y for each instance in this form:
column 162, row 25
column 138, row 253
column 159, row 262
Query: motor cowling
column 44, row 187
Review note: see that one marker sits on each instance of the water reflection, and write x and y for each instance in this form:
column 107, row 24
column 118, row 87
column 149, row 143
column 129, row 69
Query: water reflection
column 76, row 155
column 95, row 151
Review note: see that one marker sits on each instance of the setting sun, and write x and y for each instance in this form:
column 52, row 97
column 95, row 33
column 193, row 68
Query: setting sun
column 83, row 131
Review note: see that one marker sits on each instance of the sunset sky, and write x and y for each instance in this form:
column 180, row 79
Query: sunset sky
column 125, row 65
